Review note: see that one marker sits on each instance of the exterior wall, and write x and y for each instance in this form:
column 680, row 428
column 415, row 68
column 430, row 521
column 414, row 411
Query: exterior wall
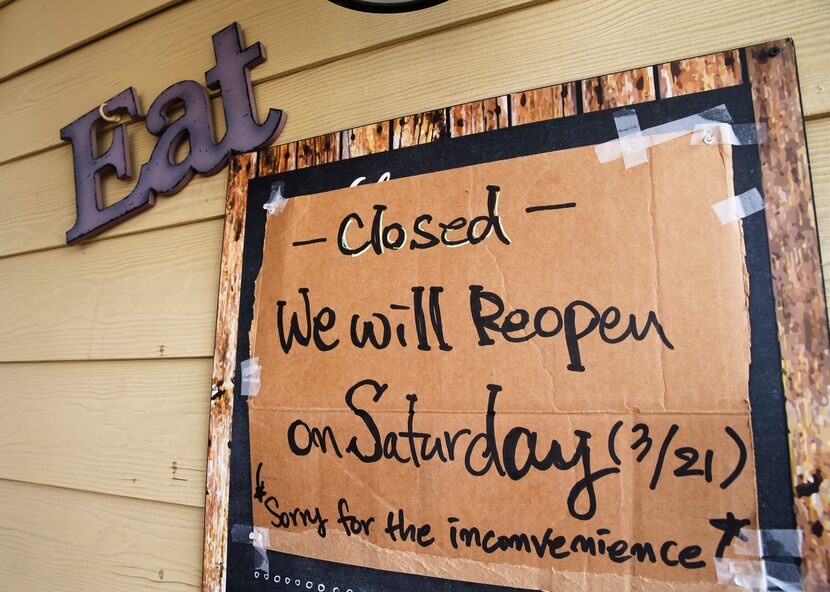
column 106, row 347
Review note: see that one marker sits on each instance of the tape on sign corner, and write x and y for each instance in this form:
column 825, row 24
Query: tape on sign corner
column 748, row 544
column 758, row 575
column 250, row 377
column 259, row 538
column 769, row 542
column 741, row 573
column 783, row 576
column 276, row 201
column 631, row 138
column 634, row 142
column 739, row 206
column 736, row 134
column 779, row 570
column 241, row 533
column 782, row 542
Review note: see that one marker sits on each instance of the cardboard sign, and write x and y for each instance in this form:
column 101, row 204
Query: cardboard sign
column 540, row 357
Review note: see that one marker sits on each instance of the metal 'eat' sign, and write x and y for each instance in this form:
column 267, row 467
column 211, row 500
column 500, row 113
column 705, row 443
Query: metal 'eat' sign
column 163, row 174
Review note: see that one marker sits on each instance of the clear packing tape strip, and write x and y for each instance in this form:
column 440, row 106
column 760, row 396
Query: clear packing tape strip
column 779, row 570
column 713, row 126
column 260, row 539
column 276, row 200
column 250, row 377
column 739, row 206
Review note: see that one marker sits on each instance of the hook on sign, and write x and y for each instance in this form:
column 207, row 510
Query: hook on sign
column 102, row 111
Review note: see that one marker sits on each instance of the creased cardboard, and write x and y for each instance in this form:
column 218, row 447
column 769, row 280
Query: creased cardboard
column 620, row 361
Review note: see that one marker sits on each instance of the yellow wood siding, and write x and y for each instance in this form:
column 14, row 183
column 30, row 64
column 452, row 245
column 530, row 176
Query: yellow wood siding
column 105, row 347
column 32, row 31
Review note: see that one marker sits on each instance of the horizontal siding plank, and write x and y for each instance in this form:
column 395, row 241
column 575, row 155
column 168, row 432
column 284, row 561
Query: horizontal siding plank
column 176, row 45
column 565, row 33
column 423, row 74
column 74, row 541
column 153, row 294
column 136, row 428
column 37, row 200
column 32, row 31
column 404, row 79
column 149, row 295
column 818, row 140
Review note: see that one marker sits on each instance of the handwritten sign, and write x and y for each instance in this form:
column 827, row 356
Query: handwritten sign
column 512, row 367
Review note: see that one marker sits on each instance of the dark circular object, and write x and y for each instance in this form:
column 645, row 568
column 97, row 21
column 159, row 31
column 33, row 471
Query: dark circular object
column 387, row 6
column 774, row 51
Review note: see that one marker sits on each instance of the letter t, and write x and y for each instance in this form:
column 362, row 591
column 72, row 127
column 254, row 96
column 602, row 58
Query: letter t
column 232, row 77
